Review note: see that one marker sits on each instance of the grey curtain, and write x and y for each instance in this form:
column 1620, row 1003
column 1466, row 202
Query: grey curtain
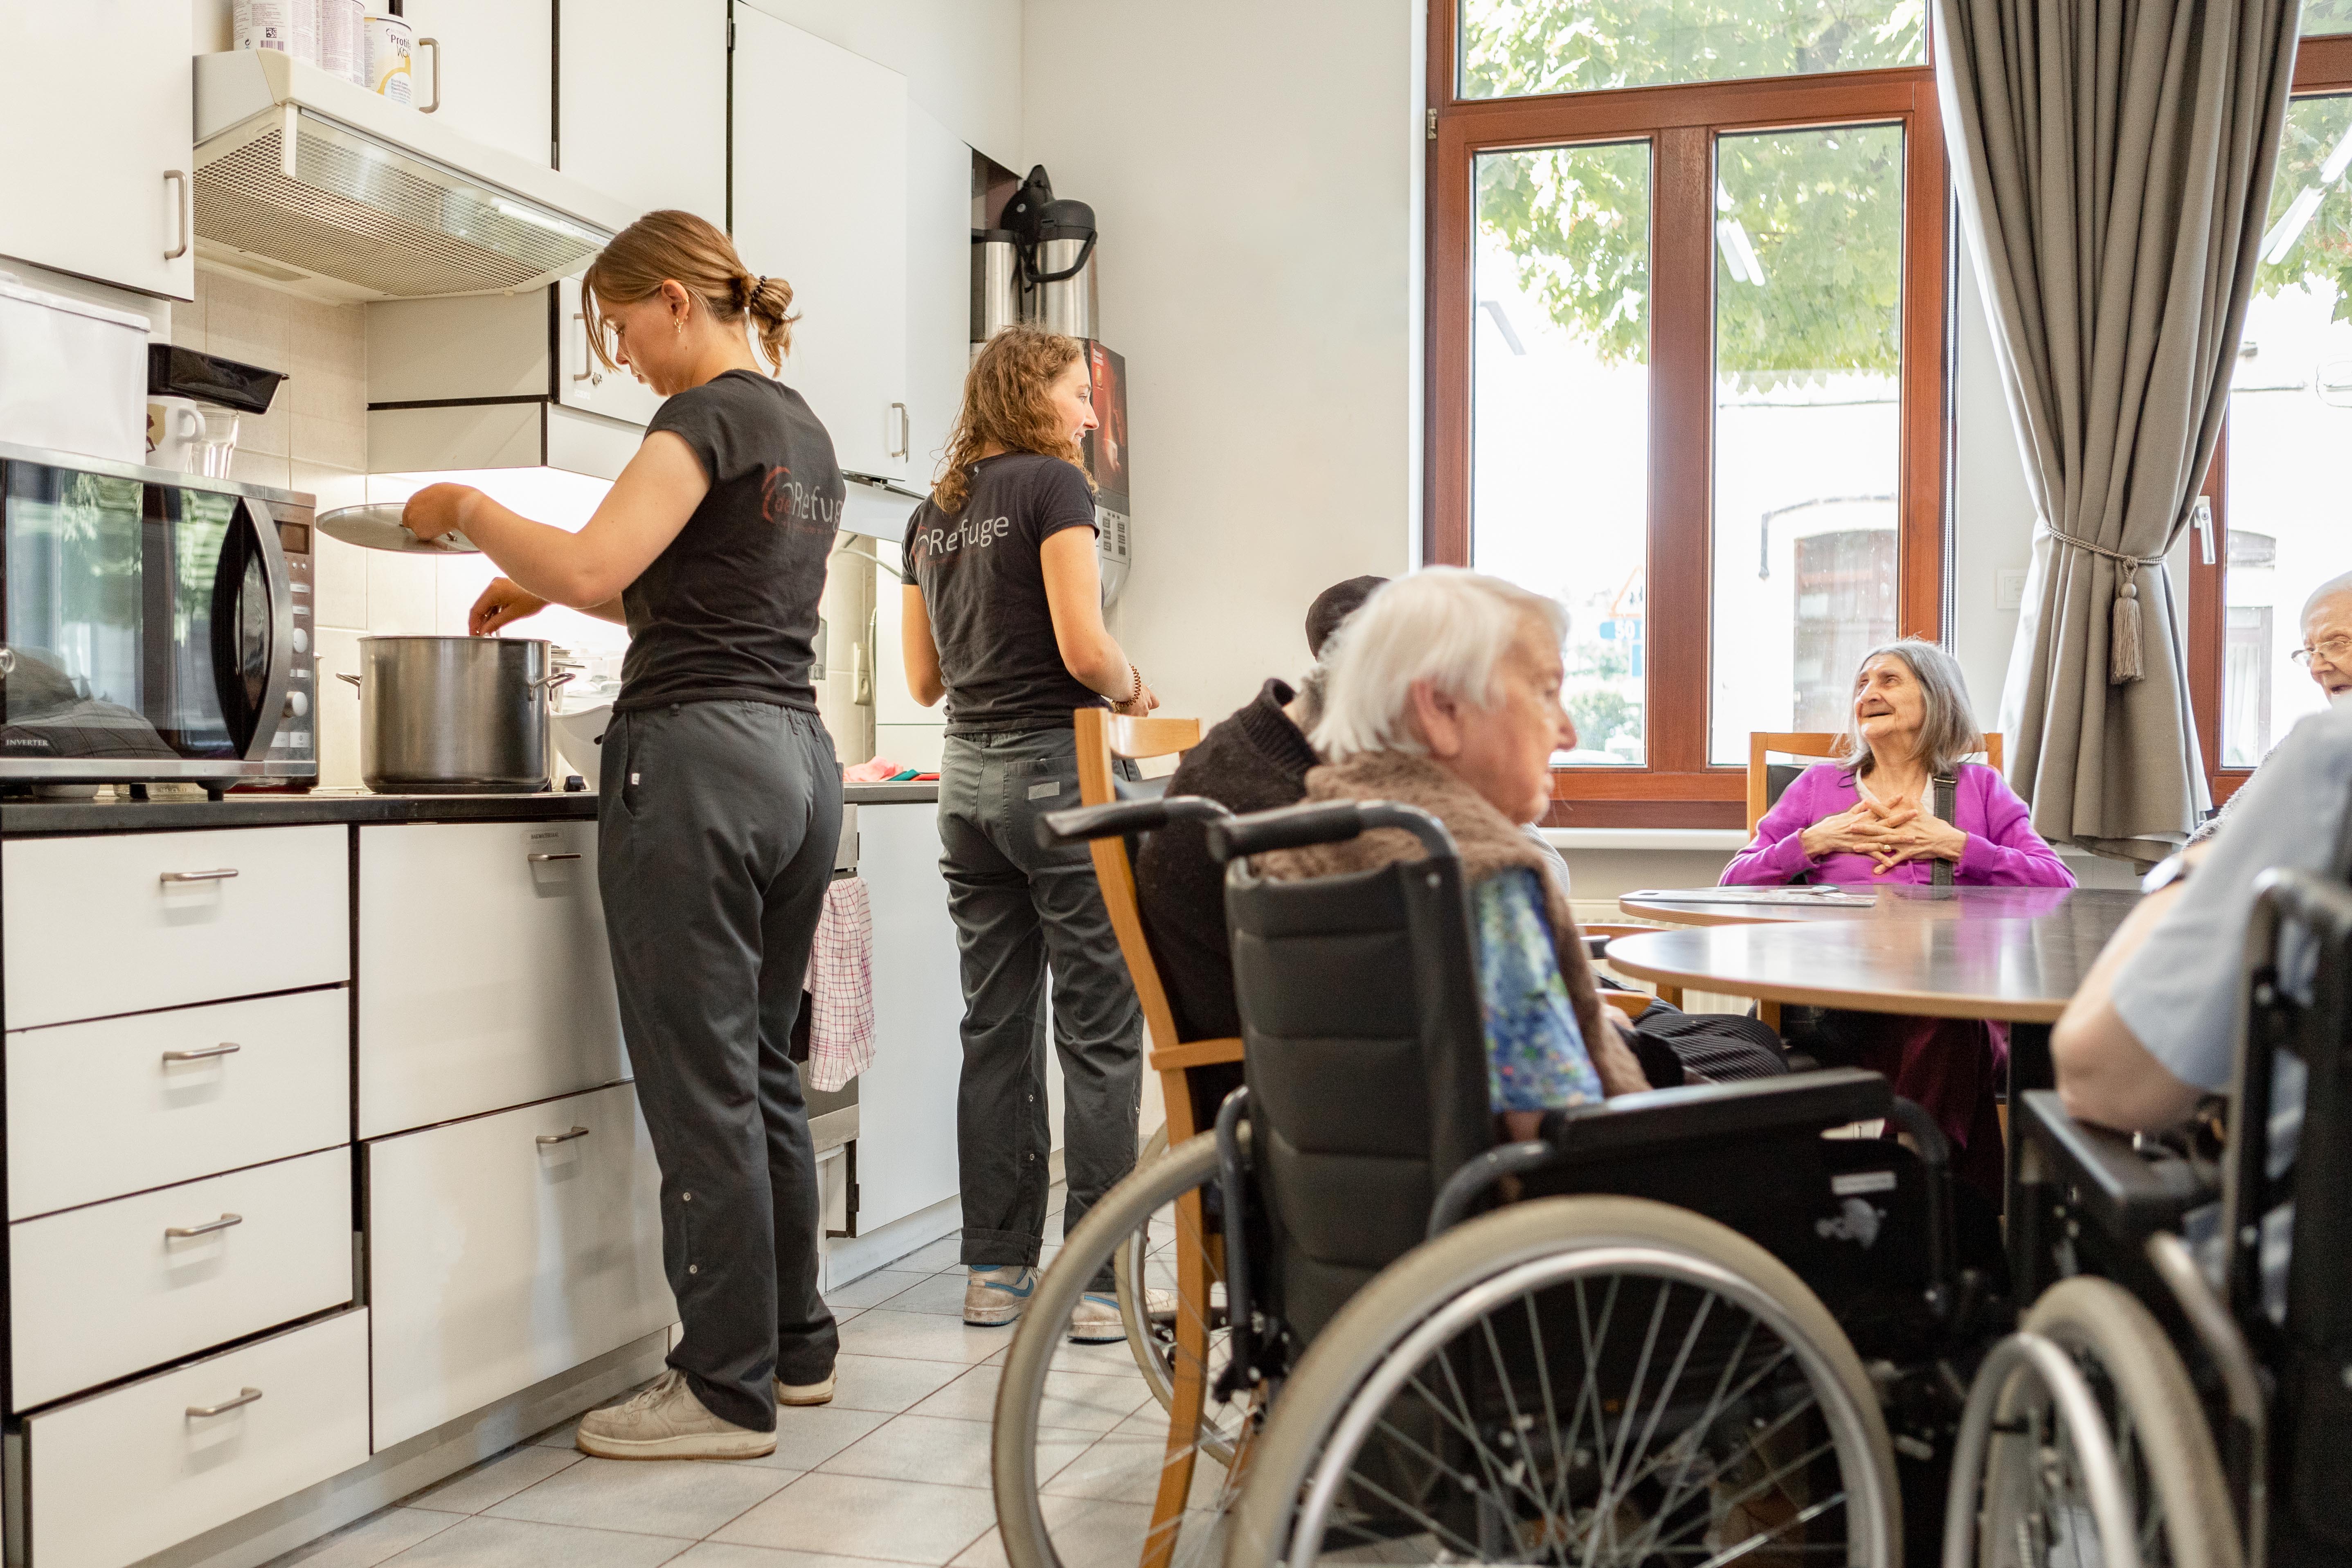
column 2111, row 160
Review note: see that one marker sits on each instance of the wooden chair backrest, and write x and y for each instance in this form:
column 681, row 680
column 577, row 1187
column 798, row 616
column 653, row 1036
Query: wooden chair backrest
column 1819, row 743
column 1104, row 736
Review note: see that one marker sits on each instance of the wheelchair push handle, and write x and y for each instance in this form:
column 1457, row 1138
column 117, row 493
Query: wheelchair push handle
column 1324, row 822
column 1117, row 820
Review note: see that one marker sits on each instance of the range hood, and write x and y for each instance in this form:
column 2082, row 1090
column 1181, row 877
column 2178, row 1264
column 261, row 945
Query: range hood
column 325, row 188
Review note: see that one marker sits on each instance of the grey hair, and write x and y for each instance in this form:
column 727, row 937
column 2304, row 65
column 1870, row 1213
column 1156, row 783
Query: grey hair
column 1444, row 625
column 2330, row 589
column 1948, row 725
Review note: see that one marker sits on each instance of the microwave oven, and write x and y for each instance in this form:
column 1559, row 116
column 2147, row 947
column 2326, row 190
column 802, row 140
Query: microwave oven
column 154, row 625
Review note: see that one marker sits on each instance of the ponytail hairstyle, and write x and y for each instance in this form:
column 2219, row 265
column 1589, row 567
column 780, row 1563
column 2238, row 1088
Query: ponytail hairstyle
column 1004, row 405
column 678, row 247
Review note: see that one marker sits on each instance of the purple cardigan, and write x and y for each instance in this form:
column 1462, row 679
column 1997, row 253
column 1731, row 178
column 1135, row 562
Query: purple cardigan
column 2003, row 850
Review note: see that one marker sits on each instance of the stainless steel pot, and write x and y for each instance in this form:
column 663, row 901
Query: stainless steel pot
column 453, row 715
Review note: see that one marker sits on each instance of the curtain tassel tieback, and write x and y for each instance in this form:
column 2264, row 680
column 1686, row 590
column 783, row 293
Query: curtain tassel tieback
column 2124, row 663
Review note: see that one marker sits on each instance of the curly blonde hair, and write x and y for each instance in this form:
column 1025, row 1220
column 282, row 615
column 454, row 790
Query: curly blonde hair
column 1004, row 405
column 676, row 246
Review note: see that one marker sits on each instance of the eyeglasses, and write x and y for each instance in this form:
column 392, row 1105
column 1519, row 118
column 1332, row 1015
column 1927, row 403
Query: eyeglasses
column 2333, row 650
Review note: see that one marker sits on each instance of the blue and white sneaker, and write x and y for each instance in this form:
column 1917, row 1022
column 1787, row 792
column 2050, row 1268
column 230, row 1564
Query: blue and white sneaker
column 1095, row 1320
column 994, row 1297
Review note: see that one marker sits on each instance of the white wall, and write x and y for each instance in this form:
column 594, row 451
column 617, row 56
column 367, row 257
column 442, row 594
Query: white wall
column 1256, row 172
column 961, row 58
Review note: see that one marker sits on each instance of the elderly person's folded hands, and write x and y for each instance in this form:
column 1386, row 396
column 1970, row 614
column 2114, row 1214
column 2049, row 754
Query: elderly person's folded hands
column 1890, row 835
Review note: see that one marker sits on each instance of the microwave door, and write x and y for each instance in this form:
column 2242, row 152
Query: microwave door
column 252, row 623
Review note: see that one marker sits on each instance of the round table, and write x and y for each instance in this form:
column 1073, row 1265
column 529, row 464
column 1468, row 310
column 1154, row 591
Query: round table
column 1894, row 901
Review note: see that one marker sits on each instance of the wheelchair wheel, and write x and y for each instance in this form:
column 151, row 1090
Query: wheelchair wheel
column 1084, row 1469
column 1590, row 1380
column 2038, row 1511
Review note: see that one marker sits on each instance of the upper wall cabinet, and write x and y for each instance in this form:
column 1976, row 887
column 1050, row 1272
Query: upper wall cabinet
column 96, row 97
column 495, row 64
column 644, row 103
column 938, row 289
column 820, row 200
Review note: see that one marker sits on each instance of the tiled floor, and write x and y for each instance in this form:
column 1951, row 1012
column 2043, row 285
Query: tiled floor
column 895, row 1468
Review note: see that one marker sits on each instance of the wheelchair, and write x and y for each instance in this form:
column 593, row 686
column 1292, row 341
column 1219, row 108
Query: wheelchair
column 1683, row 1327
column 2173, row 1394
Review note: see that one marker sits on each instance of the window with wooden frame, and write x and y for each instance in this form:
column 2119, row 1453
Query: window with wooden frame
column 2281, row 522
column 1688, row 362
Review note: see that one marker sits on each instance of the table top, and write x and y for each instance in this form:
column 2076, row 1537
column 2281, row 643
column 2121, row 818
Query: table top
column 1938, row 952
column 1896, row 900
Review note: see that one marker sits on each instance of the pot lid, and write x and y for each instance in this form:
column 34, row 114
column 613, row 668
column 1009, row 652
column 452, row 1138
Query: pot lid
column 376, row 526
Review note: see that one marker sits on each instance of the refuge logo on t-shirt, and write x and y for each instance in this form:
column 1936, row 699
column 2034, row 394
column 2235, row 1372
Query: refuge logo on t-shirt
column 784, row 499
column 942, row 543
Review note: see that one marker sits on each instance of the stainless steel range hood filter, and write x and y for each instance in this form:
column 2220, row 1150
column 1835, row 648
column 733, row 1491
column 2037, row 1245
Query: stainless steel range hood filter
column 381, row 220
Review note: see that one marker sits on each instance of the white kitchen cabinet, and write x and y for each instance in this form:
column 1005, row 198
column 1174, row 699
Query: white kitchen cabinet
column 99, row 1109
column 508, row 1249
column 907, row 1100
column 820, row 156
column 98, row 1292
column 99, row 100
column 123, row 923
column 485, row 981
column 122, row 1476
column 497, row 70
column 644, row 103
column 938, row 289
column 583, row 381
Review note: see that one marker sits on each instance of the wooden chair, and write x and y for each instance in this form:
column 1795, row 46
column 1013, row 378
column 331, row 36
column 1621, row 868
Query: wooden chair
column 1103, row 740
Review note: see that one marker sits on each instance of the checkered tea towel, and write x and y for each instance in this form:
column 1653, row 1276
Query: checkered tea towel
column 841, row 979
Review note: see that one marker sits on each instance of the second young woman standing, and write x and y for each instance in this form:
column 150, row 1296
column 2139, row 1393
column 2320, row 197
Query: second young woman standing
column 1003, row 618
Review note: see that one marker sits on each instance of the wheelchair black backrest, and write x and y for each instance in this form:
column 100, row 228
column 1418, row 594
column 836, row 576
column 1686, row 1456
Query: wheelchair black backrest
column 1365, row 1056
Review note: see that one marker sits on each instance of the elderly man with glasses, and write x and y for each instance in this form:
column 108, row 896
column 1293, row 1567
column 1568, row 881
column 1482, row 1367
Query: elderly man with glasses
column 2327, row 653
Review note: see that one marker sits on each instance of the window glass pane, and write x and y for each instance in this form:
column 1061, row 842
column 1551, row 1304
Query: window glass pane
column 1560, row 413
column 2327, row 16
column 1809, row 294
column 1511, row 47
column 2290, row 423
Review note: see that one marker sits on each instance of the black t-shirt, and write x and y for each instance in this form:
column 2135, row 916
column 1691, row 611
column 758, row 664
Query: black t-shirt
column 984, row 588
column 729, row 610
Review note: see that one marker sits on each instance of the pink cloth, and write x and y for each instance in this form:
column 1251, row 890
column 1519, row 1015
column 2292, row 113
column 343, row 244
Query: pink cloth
column 2003, row 850
column 873, row 771
column 841, row 981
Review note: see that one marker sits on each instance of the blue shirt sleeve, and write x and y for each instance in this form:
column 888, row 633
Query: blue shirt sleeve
column 1536, row 1058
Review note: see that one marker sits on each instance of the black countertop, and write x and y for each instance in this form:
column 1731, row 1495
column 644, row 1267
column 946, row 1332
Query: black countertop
column 28, row 819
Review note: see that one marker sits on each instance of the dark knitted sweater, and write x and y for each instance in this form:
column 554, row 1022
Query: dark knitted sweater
column 1254, row 760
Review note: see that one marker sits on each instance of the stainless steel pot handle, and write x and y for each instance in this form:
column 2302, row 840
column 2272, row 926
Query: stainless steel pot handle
column 352, row 678
column 244, row 1397
column 182, row 1232
column 550, row 682
column 546, row 1139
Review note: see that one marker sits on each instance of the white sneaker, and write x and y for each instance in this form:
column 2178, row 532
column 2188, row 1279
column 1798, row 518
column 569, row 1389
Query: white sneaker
column 804, row 1393
column 994, row 1297
column 665, row 1421
column 1095, row 1320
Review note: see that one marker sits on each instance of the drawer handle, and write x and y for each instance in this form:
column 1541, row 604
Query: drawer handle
column 540, row 858
column 204, row 1055
column 547, row 1139
column 223, row 875
column 246, row 1397
column 182, row 1232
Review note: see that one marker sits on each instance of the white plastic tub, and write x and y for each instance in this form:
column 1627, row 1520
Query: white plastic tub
column 73, row 377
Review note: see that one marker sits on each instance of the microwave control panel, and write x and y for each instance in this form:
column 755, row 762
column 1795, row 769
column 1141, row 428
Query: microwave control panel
column 294, row 749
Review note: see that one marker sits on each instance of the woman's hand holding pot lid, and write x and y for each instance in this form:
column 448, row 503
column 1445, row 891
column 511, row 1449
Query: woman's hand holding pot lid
column 435, row 510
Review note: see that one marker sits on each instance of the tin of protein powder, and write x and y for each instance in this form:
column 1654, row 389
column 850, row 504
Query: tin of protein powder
column 390, row 43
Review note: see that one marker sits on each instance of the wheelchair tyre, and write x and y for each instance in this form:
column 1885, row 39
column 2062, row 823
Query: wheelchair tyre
column 1151, row 1338
column 2034, row 1514
column 1080, row 1445
column 1705, row 1362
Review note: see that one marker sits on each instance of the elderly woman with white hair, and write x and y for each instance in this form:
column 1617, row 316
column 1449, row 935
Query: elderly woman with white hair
column 1870, row 816
column 1444, row 694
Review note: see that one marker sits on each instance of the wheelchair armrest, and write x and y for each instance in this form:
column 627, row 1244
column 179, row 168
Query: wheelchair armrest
column 1118, row 819
column 1708, row 1112
column 2126, row 1193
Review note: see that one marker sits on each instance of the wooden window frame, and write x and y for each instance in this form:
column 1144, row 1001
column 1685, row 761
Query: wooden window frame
column 1678, row 787
column 2321, row 65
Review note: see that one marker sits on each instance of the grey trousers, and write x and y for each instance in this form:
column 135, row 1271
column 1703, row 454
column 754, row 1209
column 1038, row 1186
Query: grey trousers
column 1018, row 908
column 716, row 825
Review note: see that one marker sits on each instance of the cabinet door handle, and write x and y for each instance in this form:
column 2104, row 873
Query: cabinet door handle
column 587, row 370
column 542, row 857
column 434, row 44
column 223, row 875
column 182, row 1232
column 226, row 1406
column 187, row 212
column 906, row 432
column 548, row 1140
column 205, row 1054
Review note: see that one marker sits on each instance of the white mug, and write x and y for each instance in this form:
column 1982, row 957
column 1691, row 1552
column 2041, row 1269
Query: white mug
column 175, row 433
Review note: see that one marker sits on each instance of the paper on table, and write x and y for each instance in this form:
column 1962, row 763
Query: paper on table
column 1833, row 898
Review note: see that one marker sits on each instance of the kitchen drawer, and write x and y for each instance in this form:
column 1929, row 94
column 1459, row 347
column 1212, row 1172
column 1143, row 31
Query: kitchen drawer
column 122, row 1476
column 109, row 924
column 99, row 1109
column 96, row 1293
column 496, row 1259
column 484, row 978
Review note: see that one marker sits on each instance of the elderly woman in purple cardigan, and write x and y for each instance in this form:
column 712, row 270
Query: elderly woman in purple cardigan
column 1870, row 817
